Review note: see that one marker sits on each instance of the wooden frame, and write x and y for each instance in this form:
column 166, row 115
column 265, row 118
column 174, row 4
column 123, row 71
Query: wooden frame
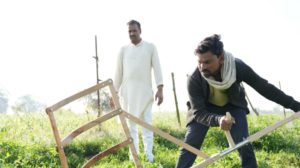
column 129, row 142
column 63, row 142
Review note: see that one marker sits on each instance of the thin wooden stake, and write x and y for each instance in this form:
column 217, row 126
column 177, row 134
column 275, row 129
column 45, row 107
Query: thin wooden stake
column 97, row 78
column 248, row 99
column 175, row 97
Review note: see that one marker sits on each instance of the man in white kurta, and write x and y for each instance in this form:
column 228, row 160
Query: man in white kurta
column 134, row 83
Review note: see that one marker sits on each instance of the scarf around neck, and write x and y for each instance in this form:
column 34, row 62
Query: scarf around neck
column 228, row 73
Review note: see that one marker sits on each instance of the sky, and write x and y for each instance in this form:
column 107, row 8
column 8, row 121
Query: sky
column 47, row 47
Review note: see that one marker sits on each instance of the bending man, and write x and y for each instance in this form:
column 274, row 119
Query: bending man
column 214, row 89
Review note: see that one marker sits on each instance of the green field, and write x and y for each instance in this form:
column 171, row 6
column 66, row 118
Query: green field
column 26, row 140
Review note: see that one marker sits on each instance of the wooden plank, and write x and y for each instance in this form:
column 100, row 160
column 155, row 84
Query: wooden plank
column 273, row 127
column 101, row 155
column 131, row 146
column 217, row 156
column 78, row 95
column 62, row 156
column 89, row 125
column 212, row 159
column 229, row 139
column 116, row 102
column 166, row 136
column 227, row 133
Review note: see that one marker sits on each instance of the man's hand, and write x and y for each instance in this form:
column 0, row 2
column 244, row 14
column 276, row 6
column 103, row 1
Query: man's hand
column 226, row 123
column 159, row 95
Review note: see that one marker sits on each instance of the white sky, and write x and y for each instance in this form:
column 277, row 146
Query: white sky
column 46, row 47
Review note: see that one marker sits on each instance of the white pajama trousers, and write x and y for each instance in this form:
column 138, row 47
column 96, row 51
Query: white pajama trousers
column 147, row 135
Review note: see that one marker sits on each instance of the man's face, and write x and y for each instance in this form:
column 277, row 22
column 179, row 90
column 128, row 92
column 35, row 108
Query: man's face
column 209, row 64
column 134, row 33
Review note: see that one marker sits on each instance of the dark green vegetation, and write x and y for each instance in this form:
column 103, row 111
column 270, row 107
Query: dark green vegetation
column 27, row 141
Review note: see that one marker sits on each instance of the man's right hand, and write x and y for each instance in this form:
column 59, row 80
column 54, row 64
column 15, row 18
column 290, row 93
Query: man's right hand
column 226, row 124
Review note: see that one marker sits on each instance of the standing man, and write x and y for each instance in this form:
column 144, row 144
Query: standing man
column 214, row 89
column 133, row 82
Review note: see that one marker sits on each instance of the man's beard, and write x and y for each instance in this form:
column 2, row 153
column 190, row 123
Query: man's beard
column 207, row 74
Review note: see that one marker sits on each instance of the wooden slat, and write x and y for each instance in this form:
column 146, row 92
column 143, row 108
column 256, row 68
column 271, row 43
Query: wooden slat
column 229, row 139
column 78, row 95
column 217, row 156
column 227, row 133
column 273, row 127
column 166, row 136
column 101, row 155
column 204, row 163
column 89, row 125
column 131, row 146
column 60, row 148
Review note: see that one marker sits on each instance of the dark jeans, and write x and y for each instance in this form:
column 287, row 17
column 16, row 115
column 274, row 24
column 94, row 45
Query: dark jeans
column 196, row 133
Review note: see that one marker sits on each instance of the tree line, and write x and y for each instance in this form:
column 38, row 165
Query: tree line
column 27, row 103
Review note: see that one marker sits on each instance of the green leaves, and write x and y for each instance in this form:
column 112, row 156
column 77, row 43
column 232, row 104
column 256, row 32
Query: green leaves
column 27, row 141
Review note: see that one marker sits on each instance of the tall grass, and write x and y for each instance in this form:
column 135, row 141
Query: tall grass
column 27, row 141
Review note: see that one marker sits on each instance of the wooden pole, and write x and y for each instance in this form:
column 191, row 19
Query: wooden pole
column 248, row 99
column 97, row 77
column 175, row 97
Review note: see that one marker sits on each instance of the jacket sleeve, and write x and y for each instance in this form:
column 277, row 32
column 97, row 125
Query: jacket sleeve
column 266, row 89
column 197, row 104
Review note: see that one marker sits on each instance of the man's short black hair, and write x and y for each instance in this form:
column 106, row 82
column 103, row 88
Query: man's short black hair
column 212, row 43
column 132, row 22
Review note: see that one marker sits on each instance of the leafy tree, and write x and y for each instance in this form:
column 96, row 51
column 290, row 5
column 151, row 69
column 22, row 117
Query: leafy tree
column 27, row 104
column 3, row 102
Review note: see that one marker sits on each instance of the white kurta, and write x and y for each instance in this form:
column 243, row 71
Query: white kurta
column 133, row 76
column 133, row 81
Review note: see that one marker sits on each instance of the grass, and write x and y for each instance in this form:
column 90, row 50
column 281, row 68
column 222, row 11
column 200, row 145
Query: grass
column 27, row 141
